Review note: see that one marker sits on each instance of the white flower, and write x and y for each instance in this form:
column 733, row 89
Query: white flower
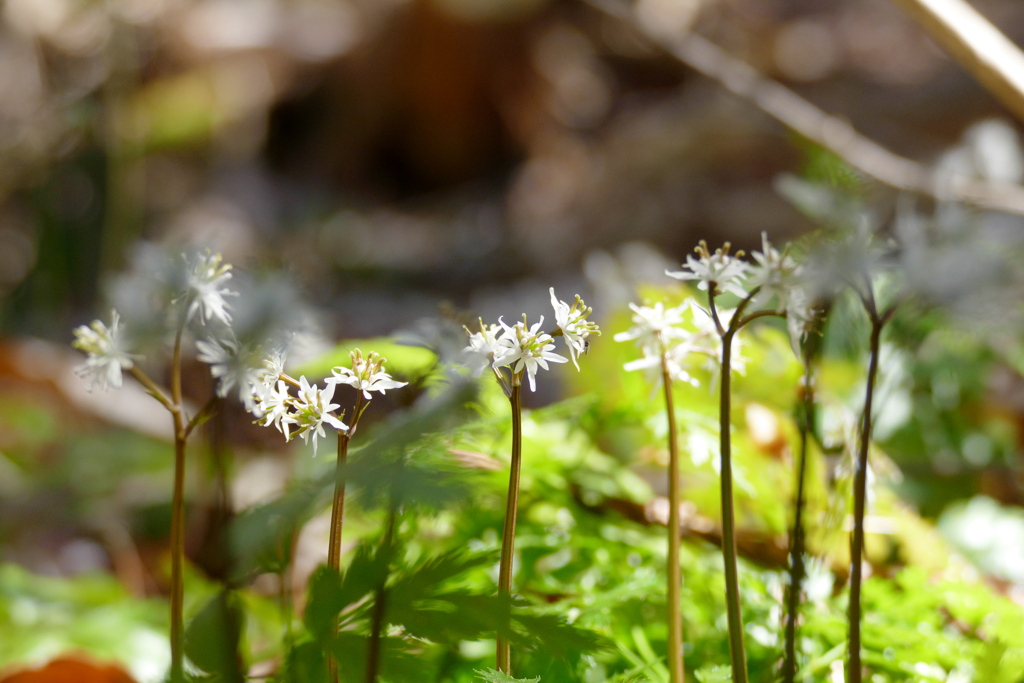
column 273, row 405
column 484, row 348
column 721, row 270
column 773, row 273
column 107, row 356
column 654, row 326
column 366, row 374
column 673, row 361
column 311, row 410
column 206, row 277
column 572, row 321
column 658, row 330
column 526, row 349
column 231, row 367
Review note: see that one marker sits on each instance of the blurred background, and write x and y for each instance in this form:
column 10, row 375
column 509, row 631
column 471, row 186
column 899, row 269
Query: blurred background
column 393, row 154
column 398, row 160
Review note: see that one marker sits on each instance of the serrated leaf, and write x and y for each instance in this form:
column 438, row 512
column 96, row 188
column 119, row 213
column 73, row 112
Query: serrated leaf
column 396, row 661
column 493, row 676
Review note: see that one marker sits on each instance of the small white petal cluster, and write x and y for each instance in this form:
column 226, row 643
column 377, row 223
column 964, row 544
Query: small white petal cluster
column 107, row 356
column 366, row 374
column 525, row 348
column 313, row 407
column 206, row 277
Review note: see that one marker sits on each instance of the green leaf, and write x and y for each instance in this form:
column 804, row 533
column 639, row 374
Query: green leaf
column 396, row 662
column 493, row 676
column 212, row 638
column 402, row 361
column 325, row 601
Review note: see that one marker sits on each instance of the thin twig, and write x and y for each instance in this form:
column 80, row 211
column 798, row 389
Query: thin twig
column 860, row 496
column 152, row 389
column 979, row 46
column 830, row 132
column 202, row 415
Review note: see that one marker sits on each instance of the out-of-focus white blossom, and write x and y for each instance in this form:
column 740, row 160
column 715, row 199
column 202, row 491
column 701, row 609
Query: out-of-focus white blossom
column 107, row 356
column 232, row 367
column 775, row 273
column 366, row 374
column 659, row 330
column 655, row 327
column 206, row 277
column 800, row 318
column 721, row 270
column 572, row 321
column 526, row 349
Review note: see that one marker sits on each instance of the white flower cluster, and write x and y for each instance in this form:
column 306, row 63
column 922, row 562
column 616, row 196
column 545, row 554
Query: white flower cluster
column 775, row 281
column 312, row 407
column 525, row 348
column 774, row 275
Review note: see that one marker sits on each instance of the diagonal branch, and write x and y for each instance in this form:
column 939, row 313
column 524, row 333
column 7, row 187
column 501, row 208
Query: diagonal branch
column 830, row 132
column 980, row 47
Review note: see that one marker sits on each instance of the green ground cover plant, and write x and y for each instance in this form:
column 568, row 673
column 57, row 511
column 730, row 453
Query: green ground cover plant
column 584, row 561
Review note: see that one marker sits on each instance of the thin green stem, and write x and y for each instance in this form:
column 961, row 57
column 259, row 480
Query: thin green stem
column 338, row 509
column 796, row 539
column 178, row 556
column 675, row 619
column 153, row 390
column 859, row 497
column 177, row 673
column 204, row 413
column 504, row 654
column 732, row 588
